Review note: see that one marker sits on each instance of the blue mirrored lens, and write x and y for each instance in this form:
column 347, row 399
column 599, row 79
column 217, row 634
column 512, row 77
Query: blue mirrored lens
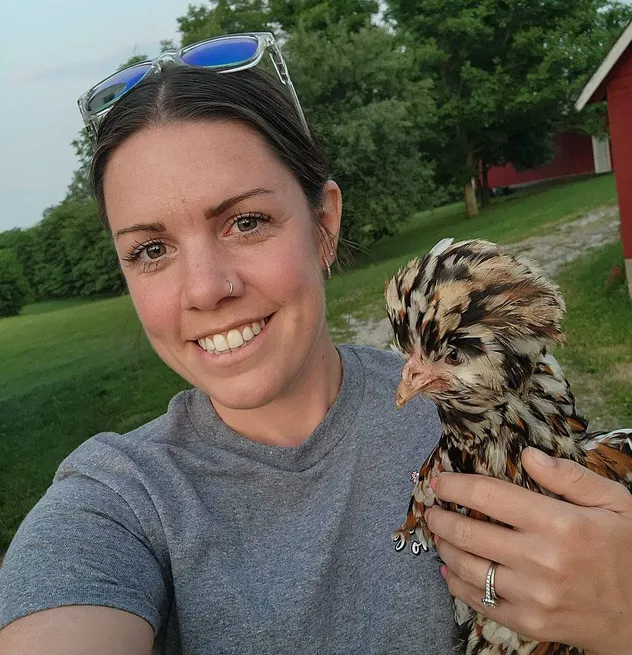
column 223, row 52
column 114, row 87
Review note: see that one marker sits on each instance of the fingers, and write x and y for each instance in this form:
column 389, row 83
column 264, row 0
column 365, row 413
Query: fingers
column 506, row 502
column 481, row 538
column 525, row 510
column 516, row 608
column 514, row 616
column 576, row 483
column 473, row 570
column 473, row 594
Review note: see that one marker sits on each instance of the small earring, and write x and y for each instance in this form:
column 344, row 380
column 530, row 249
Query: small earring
column 328, row 269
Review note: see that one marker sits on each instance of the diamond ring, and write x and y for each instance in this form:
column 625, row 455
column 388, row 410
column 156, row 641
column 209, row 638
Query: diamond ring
column 490, row 598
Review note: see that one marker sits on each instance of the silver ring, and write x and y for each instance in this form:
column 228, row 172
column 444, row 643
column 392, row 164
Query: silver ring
column 490, row 598
column 230, row 284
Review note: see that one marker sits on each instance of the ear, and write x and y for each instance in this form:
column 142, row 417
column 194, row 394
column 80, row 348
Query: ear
column 331, row 215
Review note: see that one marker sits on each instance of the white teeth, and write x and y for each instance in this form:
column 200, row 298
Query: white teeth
column 234, row 339
column 220, row 343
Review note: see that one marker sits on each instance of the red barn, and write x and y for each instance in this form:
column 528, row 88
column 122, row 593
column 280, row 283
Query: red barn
column 575, row 154
column 613, row 82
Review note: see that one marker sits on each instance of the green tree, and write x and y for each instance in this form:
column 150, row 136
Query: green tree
column 23, row 244
column 88, row 249
column 504, row 71
column 14, row 289
column 318, row 15
column 79, row 189
column 358, row 93
column 223, row 17
column 51, row 268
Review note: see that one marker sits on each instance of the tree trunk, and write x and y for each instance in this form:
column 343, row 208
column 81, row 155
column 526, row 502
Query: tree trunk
column 486, row 194
column 471, row 205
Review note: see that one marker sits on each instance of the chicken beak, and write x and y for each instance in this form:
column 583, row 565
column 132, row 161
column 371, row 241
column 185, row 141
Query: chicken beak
column 416, row 378
column 407, row 390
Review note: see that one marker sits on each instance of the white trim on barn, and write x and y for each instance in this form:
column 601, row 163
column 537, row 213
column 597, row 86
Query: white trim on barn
column 607, row 65
column 601, row 154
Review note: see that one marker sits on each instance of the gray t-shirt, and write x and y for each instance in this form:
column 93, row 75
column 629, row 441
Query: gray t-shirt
column 225, row 545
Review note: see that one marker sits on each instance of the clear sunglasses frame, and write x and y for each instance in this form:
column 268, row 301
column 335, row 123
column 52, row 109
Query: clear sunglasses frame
column 265, row 41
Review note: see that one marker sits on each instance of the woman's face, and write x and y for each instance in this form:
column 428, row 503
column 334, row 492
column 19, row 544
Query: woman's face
column 194, row 206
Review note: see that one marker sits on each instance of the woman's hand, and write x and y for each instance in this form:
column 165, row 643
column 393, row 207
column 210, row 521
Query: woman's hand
column 564, row 572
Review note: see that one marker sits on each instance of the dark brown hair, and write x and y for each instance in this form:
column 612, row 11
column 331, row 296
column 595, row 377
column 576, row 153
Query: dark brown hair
column 180, row 93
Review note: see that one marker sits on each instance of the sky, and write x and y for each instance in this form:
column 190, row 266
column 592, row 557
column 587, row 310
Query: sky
column 52, row 51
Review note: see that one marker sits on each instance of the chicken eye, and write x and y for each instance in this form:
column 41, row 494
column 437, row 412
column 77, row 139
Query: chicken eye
column 453, row 356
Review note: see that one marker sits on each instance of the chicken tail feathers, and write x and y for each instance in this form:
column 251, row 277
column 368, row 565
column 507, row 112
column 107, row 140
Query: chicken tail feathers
column 610, row 455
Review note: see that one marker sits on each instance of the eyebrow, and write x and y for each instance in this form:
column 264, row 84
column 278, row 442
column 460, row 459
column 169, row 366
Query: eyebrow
column 212, row 212
column 141, row 227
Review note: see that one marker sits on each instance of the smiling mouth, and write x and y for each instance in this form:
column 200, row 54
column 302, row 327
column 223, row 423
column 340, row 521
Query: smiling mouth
column 233, row 339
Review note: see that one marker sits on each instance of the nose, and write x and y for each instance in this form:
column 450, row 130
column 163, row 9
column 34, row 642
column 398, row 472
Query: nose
column 206, row 278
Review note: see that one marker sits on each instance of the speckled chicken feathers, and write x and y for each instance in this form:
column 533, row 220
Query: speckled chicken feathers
column 479, row 324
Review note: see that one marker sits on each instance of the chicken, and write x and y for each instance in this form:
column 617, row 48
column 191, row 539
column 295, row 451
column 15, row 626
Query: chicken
column 476, row 326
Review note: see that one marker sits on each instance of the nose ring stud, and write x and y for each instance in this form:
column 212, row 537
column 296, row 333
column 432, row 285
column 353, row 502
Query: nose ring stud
column 230, row 290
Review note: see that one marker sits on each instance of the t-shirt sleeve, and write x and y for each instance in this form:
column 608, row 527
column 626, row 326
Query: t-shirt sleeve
column 82, row 545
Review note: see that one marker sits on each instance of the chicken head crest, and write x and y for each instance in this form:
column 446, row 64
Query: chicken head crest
column 472, row 320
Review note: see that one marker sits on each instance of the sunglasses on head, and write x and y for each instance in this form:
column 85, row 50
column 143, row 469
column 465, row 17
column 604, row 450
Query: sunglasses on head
column 224, row 54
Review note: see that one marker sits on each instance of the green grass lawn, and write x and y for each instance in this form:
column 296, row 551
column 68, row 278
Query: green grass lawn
column 598, row 350
column 53, row 306
column 70, row 370
column 509, row 219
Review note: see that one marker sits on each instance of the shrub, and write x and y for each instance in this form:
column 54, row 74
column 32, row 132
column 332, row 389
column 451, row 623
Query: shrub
column 14, row 289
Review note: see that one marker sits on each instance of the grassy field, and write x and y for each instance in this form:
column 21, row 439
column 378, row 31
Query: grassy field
column 510, row 219
column 70, row 370
column 598, row 351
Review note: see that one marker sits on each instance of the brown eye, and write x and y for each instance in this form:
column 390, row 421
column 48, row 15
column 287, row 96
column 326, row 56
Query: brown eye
column 155, row 250
column 453, row 357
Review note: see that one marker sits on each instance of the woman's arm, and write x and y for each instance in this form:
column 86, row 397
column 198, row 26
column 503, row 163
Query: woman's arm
column 565, row 569
column 78, row 630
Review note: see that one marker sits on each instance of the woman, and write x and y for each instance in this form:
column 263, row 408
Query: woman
column 255, row 515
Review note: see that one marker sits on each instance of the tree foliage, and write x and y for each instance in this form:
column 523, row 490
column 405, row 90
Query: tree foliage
column 14, row 289
column 373, row 118
column 68, row 253
column 223, row 17
column 319, row 15
column 505, row 71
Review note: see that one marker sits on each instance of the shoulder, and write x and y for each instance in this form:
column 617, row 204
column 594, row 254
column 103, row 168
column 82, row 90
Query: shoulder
column 382, row 368
column 108, row 456
column 382, row 371
column 386, row 362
